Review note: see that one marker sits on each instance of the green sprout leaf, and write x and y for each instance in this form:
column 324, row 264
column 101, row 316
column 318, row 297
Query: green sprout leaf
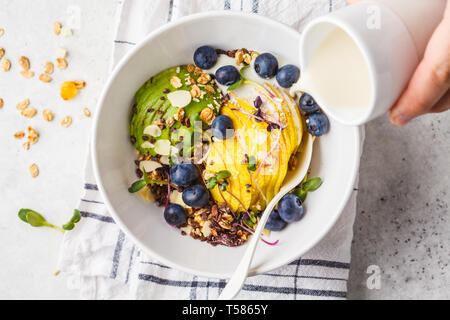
column 35, row 219
column 299, row 192
column 137, row 186
column 235, row 85
column 252, row 163
column 76, row 216
column 23, row 214
column 211, row 182
column 69, row 226
column 224, row 174
column 312, row 184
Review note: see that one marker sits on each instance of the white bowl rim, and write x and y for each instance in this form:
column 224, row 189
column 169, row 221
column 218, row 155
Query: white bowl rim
column 95, row 164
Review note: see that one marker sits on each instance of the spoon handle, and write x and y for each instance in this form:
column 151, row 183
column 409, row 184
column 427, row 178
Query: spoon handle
column 240, row 274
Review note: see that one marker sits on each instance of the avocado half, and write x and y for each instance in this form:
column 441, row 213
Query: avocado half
column 152, row 105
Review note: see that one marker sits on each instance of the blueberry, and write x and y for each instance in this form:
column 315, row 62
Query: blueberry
column 266, row 65
column 184, row 174
column 317, row 124
column 227, row 75
column 196, row 196
column 175, row 215
column 288, row 75
column 275, row 223
column 308, row 104
column 222, row 127
column 290, row 208
column 205, row 57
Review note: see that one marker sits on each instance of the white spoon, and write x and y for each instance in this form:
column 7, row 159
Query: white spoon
column 293, row 178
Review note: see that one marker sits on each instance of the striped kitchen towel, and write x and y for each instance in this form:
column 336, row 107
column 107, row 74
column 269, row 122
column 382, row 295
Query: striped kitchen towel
column 104, row 264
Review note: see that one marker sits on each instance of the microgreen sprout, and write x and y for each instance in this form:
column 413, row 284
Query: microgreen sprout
column 140, row 184
column 35, row 219
column 76, row 217
column 309, row 185
column 252, row 163
column 244, row 80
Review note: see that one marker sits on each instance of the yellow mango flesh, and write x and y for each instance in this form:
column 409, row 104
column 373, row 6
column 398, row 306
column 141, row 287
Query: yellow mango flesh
column 254, row 189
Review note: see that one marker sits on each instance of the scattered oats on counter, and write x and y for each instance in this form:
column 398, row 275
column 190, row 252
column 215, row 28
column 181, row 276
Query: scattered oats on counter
column 1, row 103
column 45, row 78
column 61, row 63
column 33, row 135
column 86, row 112
column 22, row 105
column 29, row 112
column 2, row 32
column 48, row 67
column 57, row 27
column 27, row 74
column 80, row 84
column 2, row 52
column 66, row 122
column 47, row 115
column 24, row 62
column 19, row 134
column 34, row 171
column 5, row 64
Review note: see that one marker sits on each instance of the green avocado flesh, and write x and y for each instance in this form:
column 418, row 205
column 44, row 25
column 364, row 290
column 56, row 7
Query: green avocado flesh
column 151, row 107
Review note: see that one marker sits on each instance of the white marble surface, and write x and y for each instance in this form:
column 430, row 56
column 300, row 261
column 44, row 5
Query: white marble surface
column 29, row 255
column 402, row 222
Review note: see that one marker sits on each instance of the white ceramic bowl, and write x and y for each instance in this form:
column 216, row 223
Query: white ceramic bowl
column 335, row 159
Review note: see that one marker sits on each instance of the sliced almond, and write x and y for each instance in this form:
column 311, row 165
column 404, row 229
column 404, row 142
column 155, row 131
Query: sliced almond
column 48, row 67
column 66, row 32
column 80, row 84
column 28, row 112
column 162, row 147
column 180, row 98
column 61, row 53
column 86, row 112
column 57, row 27
column 45, row 78
column 22, row 105
column 5, row 64
column 147, row 145
column 2, row 52
column 34, row 171
column 24, row 62
column 27, row 74
column 66, row 122
column 61, row 63
column 165, row 160
column 48, row 115
column 149, row 165
column 19, row 134
column 152, row 130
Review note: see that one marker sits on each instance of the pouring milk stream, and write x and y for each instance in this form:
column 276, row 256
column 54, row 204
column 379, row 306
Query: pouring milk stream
column 357, row 61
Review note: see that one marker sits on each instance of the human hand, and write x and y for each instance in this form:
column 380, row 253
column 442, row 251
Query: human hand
column 428, row 91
